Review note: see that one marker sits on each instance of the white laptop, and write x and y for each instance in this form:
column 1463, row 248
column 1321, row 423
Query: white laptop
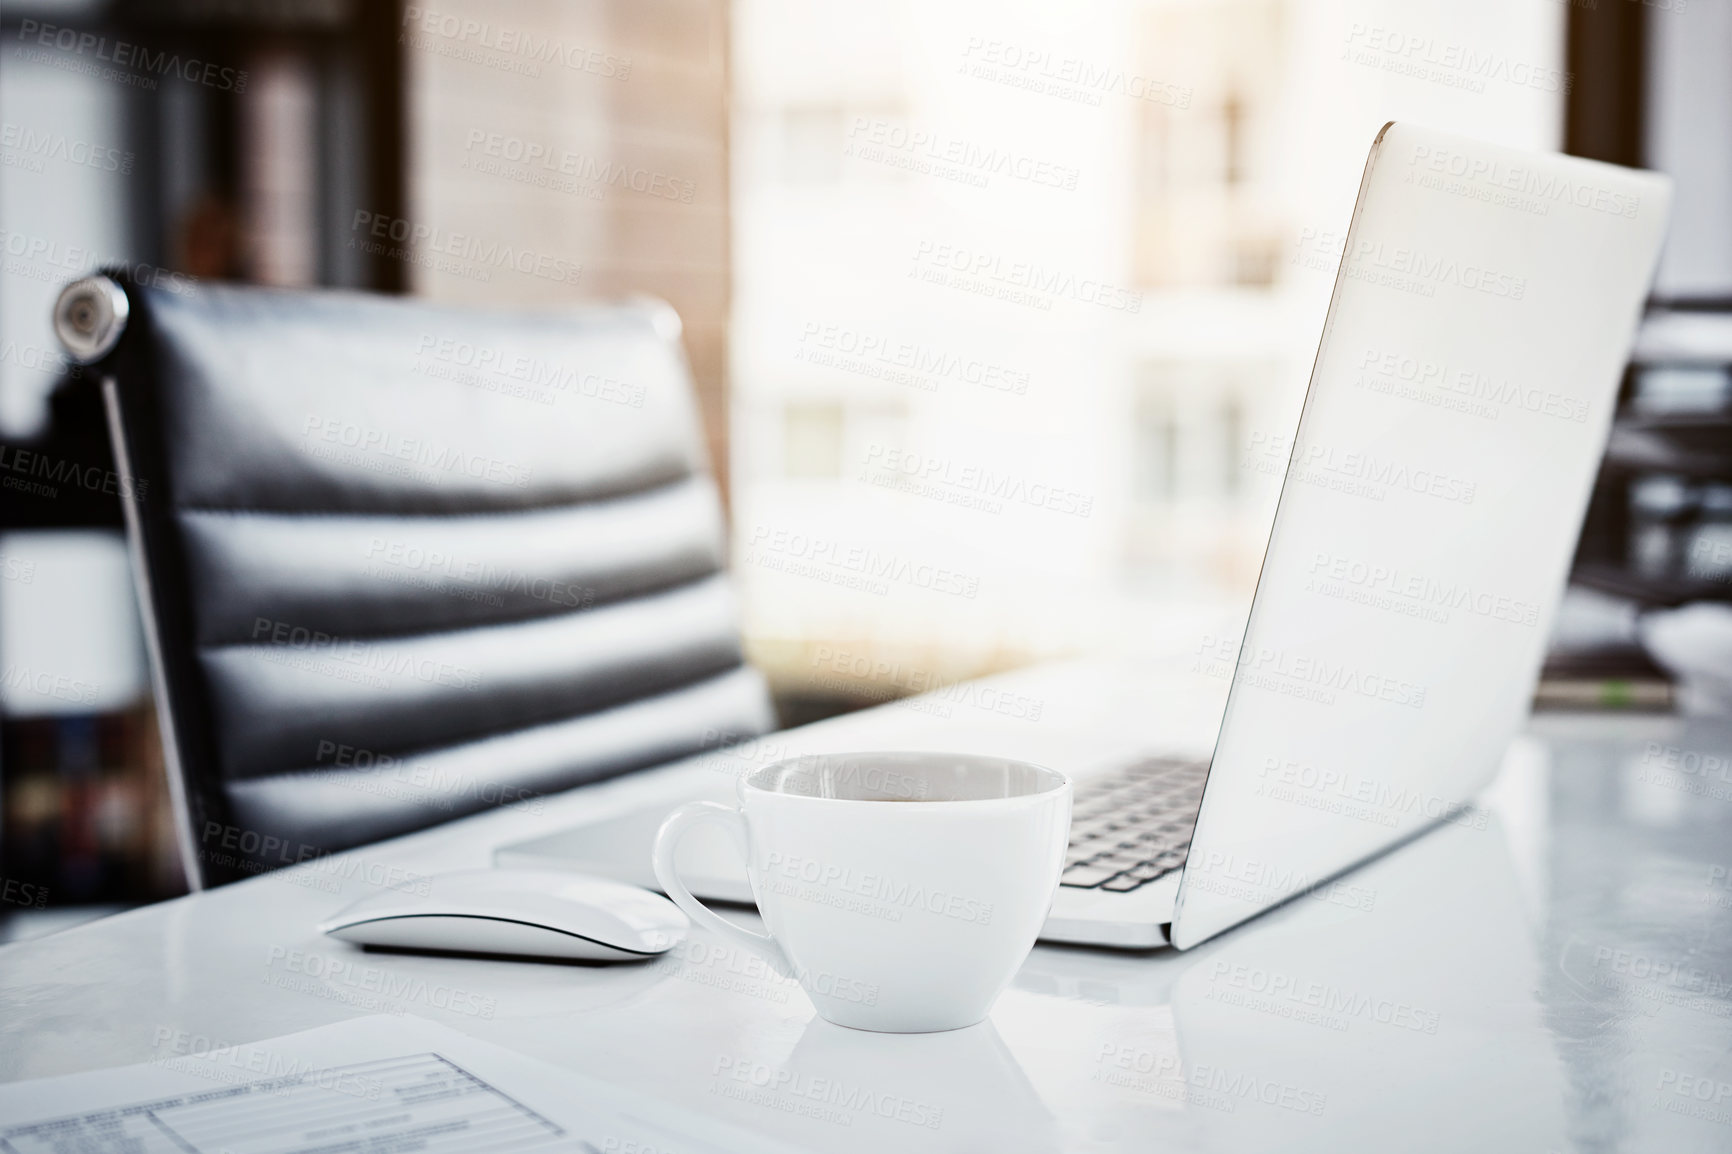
column 1434, row 490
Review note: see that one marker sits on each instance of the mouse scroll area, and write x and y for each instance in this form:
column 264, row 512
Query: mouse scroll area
column 516, row 913
column 487, row 936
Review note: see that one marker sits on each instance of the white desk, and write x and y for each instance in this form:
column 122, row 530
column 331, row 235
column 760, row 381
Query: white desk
column 1557, row 979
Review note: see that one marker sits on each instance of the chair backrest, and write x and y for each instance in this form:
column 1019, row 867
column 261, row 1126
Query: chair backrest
column 401, row 562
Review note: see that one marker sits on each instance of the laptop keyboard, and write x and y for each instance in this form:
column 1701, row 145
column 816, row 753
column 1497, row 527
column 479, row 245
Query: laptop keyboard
column 1131, row 827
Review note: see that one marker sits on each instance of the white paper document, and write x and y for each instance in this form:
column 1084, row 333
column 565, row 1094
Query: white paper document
column 377, row 1085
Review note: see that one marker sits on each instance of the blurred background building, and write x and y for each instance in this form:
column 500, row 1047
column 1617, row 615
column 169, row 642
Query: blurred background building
column 1001, row 314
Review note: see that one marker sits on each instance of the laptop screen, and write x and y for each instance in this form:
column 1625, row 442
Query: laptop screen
column 1434, row 490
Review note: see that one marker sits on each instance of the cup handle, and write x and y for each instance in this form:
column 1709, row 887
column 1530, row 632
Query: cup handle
column 668, row 840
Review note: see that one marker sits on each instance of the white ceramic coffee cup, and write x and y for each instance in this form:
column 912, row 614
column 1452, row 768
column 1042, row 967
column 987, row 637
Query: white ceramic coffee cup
column 902, row 890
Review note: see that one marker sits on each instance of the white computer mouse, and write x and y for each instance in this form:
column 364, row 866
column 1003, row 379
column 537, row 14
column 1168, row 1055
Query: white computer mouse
column 537, row 913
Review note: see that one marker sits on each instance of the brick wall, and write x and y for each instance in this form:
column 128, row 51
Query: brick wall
column 586, row 133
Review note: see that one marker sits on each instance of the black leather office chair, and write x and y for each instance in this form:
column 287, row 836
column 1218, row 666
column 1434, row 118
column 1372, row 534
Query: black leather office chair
column 400, row 562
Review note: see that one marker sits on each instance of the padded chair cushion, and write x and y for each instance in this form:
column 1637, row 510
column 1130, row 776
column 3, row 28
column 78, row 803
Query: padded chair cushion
column 408, row 561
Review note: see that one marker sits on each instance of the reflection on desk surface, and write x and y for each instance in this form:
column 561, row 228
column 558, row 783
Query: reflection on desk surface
column 1402, row 1020
column 1548, row 972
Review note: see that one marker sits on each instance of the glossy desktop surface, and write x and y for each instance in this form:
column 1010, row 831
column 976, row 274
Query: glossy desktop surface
column 1552, row 971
